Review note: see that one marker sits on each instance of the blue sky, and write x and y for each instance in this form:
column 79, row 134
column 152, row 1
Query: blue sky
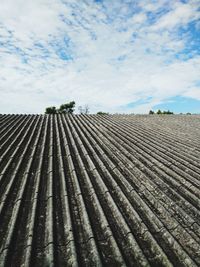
column 113, row 55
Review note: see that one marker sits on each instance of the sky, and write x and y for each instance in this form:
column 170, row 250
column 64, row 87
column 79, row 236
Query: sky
column 117, row 56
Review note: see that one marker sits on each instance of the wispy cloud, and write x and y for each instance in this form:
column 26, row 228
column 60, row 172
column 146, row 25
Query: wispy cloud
column 107, row 54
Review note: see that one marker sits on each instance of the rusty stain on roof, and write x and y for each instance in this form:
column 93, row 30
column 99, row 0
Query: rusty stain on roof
column 93, row 190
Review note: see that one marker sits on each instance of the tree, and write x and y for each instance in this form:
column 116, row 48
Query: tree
column 67, row 108
column 168, row 112
column 50, row 110
column 64, row 108
column 102, row 113
column 151, row 112
column 159, row 112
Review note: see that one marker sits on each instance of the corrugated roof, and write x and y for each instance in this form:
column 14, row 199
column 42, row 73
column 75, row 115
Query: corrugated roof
column 93, row 190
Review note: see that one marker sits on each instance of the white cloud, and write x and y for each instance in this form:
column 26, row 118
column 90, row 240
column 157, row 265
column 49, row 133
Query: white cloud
column 139, row 18
column 193, row 93
column 181, row 14
column 118, row 55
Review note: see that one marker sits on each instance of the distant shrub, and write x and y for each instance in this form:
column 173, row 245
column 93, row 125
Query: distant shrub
column 64, row 108
column 67, row 108
column 50, row 110
column 151, row 112
column 164, row 112
column 102, row 113
column 167, row 112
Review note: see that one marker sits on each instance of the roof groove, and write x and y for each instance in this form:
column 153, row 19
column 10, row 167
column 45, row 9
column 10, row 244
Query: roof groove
column 35, row 198
column 67, row 229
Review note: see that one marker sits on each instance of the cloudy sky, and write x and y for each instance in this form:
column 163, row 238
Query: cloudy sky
column 114, row 55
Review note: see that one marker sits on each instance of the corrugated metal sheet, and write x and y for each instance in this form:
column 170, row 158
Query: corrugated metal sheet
column 89, row 190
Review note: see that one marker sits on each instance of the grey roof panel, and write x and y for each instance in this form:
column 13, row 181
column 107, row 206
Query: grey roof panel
column 93, row 190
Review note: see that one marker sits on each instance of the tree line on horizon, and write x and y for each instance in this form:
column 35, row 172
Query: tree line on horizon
column 166, row 112
column 68, row 108
column 159, row 112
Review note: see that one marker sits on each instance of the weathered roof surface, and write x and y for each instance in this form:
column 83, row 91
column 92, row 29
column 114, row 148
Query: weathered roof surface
column 119, row 190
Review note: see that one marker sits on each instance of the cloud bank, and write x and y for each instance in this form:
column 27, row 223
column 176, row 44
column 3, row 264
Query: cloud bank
column 116, row 56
